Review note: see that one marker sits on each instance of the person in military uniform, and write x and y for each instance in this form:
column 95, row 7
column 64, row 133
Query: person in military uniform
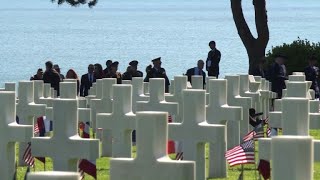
column 213, row 60
column 157, row 72
column 114, row 72
column 312, row 74
column 132, row 71
column 277, row 75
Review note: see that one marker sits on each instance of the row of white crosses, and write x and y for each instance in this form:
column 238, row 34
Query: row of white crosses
column 179, row 88
column 27, row 110
column 293, row 153
column 121, row 119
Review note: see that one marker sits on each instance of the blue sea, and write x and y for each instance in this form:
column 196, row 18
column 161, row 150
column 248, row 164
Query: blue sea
column 34, row 31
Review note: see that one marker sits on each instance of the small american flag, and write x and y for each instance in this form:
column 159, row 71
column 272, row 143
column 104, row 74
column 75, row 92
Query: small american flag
column 241, row 154
column 27, row 156
column 254, row 134
column 36, row 129
column 268, row 133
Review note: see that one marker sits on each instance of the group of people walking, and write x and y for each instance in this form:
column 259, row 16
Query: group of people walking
column 276, row 73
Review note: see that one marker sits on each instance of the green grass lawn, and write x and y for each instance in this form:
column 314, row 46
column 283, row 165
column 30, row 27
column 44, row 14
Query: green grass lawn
column 103, row 166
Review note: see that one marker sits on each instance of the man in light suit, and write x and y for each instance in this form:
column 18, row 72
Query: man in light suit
column 87, row 80
column 197, row 71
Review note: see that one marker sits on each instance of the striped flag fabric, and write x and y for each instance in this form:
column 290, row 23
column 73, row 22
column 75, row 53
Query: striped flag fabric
column 259, row 133
column 27, row 156
column 241, row 154
column 36, row 130
column 268, row 132
column 255, row 134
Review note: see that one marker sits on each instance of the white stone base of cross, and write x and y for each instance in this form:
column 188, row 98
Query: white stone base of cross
column 152, row 161
column 53, row 175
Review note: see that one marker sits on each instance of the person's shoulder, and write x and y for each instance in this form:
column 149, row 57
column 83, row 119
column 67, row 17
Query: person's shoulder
column 190, row 69
column 163, row 69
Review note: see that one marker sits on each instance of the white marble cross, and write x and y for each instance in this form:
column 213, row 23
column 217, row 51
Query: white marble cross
column 145, row 87
column 65, row 147
column 10, row 86
column 171, row 87
column 47, row 90
column 121, row 122
column 38, row 91
column 10, row 133
column 180, row 84
column 266, row 96
column 292, row 158
column 234, row 99
column 92, row 90
column 103, row 104
column 295, row 89
column 152, row 161
column 194, row 132
column 219, row 112
column 157, row 99
column 293, row 118
column 137, row 92
column 126, row 81
column 53, row 175
column 207, row 81
column 197, row 82
column 27, row 110
column 249, row 88
column 68, row 90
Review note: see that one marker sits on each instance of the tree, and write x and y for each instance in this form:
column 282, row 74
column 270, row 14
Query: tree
column 256, row 47
column 76, row 2
column 298, row 53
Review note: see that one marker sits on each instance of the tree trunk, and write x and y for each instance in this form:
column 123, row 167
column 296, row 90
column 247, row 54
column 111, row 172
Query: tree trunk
column 255, row 47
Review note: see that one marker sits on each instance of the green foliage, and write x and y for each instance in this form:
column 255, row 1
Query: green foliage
column 76, row 2
column 297, row 52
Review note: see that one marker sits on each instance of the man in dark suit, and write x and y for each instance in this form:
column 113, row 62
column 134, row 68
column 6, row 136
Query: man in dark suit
column 87, row 80
column 312, row 74
column 52, row 76
column 277, row 75
column 213, row 60
column 197, row 71
column 157, row 72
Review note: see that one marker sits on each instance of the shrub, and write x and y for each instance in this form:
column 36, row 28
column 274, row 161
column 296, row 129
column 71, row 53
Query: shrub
column 297, row 52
